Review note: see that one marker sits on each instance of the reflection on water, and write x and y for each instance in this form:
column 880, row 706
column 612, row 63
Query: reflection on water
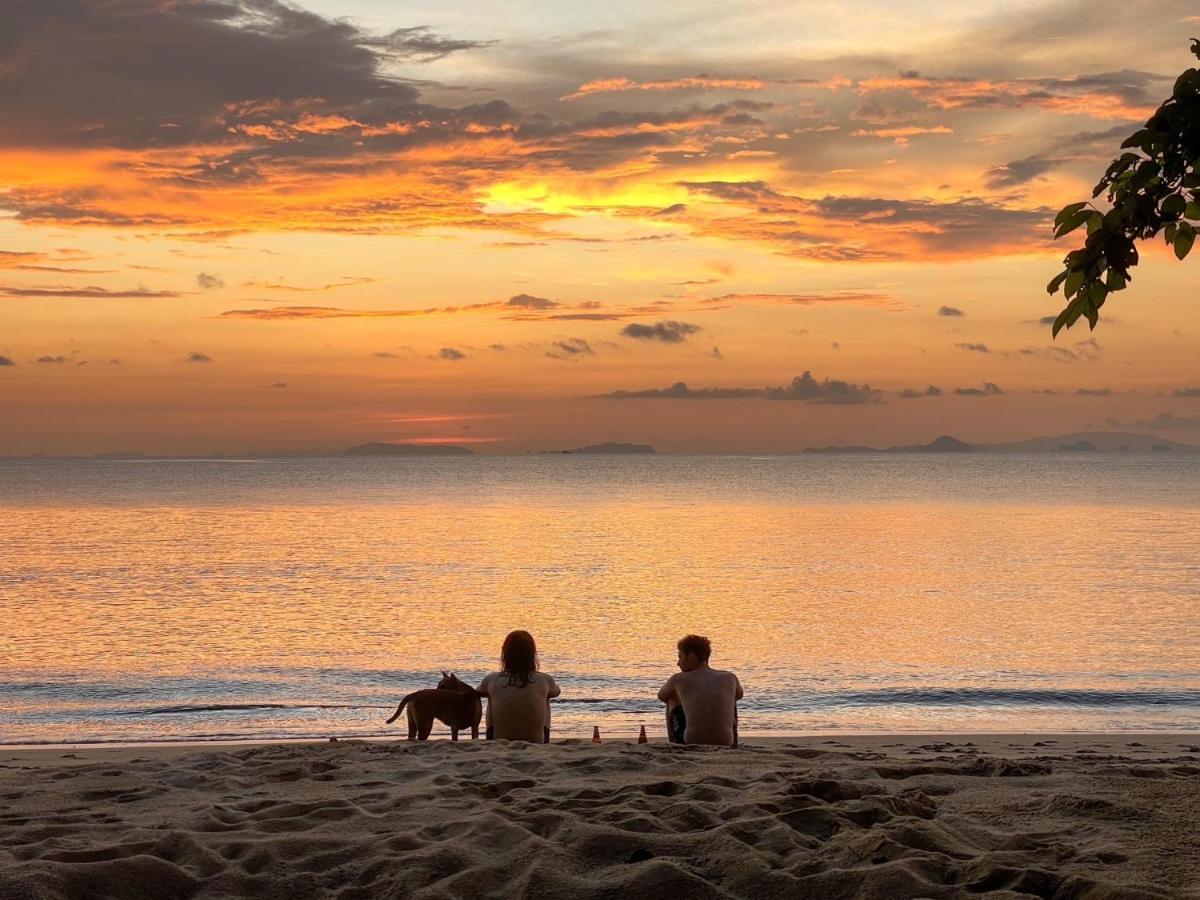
column 304, row 597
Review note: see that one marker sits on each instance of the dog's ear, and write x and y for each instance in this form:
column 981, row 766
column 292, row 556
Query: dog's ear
column 444, row 675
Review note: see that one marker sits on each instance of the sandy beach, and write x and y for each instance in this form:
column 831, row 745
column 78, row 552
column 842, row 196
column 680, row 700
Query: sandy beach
column 1062, row 816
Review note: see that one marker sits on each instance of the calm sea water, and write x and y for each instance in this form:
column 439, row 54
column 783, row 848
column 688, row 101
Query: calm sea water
column 168, row 600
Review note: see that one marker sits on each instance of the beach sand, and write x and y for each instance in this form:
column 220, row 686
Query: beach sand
column 1061, row 816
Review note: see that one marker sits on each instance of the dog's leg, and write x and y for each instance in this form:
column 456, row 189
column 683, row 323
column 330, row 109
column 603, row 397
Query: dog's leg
column 475, row 732
column 426, row 727
column 412, row 724
column 454, row 734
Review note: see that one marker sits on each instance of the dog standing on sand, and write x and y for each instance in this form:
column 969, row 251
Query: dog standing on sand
column 456, row 704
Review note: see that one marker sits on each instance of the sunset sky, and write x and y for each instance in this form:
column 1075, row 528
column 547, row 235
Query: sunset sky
column 246, row 226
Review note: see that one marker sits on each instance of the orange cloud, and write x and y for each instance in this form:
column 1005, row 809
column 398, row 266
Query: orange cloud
column 849, row 298
column 902, row 134
column 1101, row 97
column 522, row 307
column 699, row 82
column 620, row 85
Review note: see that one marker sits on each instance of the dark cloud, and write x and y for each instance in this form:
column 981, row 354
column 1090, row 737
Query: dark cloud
column 988, row 390
column 1187, row 392
column 385, row 354
column 588, row 317
column 672, row 210
column 716, row 353
column 1076, row 146
column 53, row 360
column 570, row 348
column 885, row 228
column 5, row 361
column 87, row 292
column 950, row 311
column 1094, row 392
column 955, row 226
column 975, row 348
column 803, row 388
column 451, row 354
column 1054, row 354
column 669, row 332
column 850, row 298
column 528, row 301
column 910, row 394
column 1022, row 171
column 830, row 391
column 197, row 357
column 207, row 282
column 422, row 44
column 279, row 385
column 680, row 391
column 151, row 73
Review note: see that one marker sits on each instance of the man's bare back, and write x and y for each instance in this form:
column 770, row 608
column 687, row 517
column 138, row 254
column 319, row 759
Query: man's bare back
column 707, row 697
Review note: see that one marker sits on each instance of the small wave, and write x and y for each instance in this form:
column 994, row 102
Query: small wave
column 241, row 707
column 996, row 697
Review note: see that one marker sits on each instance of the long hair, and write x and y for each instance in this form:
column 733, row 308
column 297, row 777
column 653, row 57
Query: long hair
column 518, row 658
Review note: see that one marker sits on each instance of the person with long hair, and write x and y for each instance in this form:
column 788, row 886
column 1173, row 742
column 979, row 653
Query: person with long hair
column 519, row 695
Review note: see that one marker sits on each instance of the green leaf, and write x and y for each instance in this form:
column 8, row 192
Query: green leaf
column 1138, row 138
column 1192, row 209
column 1074, row 282
column 1067, row 317
column 1068, row 211
column 1174, row 205
column 1183, row 242
column 1116, row 281
column 1072, row 221
column 1095, row 221
column 1056, row 281
column 1185, row 84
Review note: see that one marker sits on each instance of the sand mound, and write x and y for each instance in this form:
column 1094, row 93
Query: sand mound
column 364, row 820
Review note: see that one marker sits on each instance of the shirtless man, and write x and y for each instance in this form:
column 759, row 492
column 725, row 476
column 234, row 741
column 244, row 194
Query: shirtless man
column 701, row 701
column 519, row 695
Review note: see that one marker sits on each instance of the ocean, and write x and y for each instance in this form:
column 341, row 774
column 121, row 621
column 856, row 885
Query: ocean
column 169, row 600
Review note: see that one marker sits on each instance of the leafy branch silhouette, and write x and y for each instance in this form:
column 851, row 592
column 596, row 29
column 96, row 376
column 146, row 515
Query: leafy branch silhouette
column 1152, row 188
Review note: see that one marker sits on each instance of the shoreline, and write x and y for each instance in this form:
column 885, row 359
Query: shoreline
column 750, row 738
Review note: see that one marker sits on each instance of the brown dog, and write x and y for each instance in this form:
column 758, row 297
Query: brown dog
column 452, row 702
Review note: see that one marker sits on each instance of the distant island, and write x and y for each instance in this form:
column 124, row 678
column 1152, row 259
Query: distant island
column 375, row 448
column 1076, row 442
column 608, row 447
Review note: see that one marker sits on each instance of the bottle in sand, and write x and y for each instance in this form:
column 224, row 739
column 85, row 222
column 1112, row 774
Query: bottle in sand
column 642, row 736
column 595, row 734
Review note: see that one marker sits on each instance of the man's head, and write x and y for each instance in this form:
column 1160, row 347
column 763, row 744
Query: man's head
column 694, row 652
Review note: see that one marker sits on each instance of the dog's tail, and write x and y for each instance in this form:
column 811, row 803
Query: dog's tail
column 399, row 709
